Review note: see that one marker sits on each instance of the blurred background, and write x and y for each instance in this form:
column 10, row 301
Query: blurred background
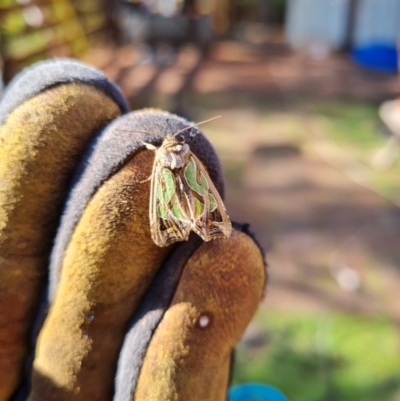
column 310, row 144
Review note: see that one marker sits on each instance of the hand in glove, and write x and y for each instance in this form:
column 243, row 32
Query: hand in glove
column 124, row 318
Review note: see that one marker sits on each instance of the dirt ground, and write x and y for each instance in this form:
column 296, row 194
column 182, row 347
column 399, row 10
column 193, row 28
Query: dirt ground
column 331, row 243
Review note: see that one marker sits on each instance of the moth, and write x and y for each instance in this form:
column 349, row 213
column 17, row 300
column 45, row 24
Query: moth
column 182, row 196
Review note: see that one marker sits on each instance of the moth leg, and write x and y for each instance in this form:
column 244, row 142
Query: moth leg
column 147, row 179
column 148, row 145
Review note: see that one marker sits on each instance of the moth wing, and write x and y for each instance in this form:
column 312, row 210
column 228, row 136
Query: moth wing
column 168, row 219
column 210, row 219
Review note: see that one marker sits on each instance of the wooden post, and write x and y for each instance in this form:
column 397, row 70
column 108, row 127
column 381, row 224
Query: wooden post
column 351, row 21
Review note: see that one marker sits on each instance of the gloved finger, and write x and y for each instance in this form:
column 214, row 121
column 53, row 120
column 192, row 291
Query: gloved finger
column 104, row 258
column 180, row 341
column 44, row 131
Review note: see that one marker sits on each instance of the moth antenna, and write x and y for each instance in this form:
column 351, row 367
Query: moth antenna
column 196, row 124
column 176, row 133
column 135, row 131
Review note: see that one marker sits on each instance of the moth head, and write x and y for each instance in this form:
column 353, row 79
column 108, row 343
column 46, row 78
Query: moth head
column 173, row 154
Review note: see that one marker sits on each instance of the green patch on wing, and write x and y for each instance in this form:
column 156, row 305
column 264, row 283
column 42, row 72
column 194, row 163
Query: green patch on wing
column 161, row 211
column 190, row 175
column 213, row 202
column 198, row 207
column 177, row 212
column 169, row 185
column 204, row 181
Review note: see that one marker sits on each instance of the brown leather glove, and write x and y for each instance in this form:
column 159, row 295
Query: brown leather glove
column 161, row 322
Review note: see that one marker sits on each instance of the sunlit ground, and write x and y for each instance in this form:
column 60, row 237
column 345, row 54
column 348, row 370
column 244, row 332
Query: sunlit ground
column 298, row 140
column 302, row 175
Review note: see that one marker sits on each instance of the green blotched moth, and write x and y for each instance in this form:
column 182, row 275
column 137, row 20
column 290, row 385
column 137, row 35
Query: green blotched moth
column 183, row 198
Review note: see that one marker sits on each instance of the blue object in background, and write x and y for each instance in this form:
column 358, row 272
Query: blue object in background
column 377, row 57
column 255, row 392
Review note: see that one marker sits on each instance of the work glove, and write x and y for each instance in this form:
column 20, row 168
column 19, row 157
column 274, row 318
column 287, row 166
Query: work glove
column 90, row 307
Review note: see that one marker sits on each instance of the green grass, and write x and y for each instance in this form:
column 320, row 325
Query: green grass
column 357, row 129
column 353, row 124
column 333, row 357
